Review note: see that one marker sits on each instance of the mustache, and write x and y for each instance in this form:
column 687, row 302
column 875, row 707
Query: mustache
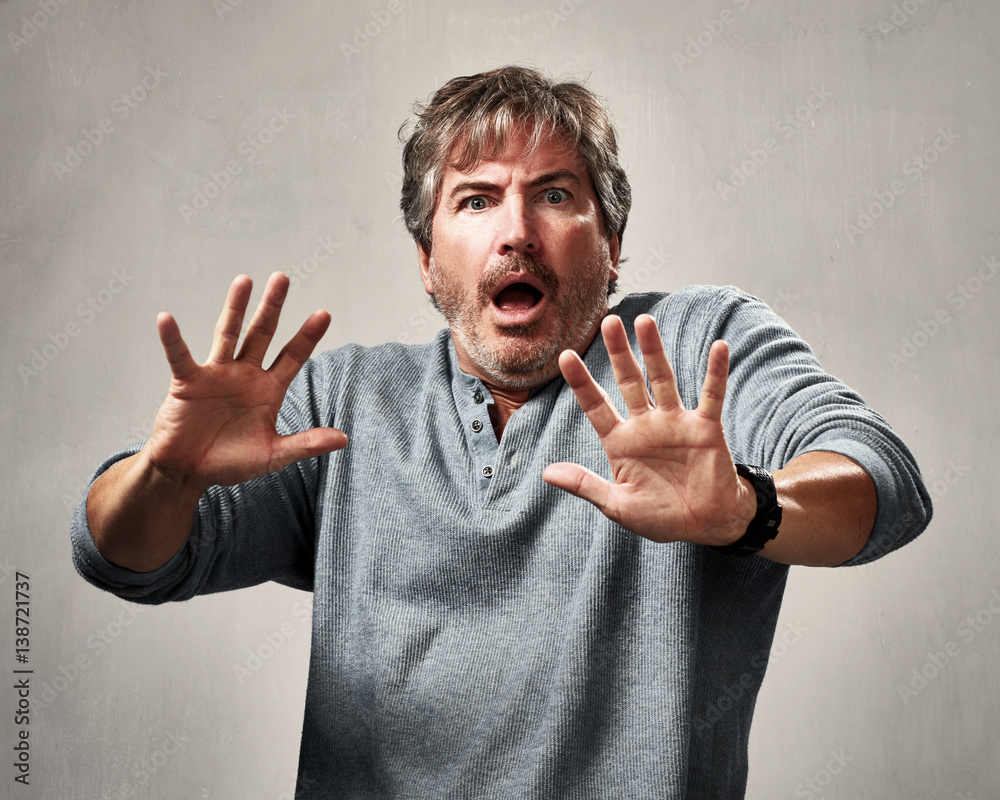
column 516, row 263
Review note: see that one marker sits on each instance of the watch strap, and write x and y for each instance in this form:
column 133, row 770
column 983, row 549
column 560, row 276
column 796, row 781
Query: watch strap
column 764, row 526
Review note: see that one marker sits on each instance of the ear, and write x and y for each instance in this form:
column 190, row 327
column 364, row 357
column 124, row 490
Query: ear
column 425, row 268
column 614, row 252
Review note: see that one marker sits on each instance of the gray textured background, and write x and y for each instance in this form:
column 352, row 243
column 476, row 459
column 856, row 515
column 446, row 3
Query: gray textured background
column 904, row 106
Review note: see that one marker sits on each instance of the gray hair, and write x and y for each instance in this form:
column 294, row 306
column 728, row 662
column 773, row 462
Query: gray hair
column 472, row 118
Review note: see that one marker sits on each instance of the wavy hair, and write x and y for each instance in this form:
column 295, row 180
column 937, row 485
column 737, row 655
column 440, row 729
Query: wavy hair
column 471, row 119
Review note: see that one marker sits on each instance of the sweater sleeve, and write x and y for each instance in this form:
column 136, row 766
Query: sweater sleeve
column 242, row 535
column 780, row 403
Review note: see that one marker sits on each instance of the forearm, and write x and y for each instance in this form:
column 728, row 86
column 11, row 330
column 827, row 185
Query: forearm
column 138, row 518
column 828, row 506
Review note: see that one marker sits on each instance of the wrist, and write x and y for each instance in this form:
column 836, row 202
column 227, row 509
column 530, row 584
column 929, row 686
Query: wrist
column 748, row 506
column 146, row 475
column 759, row 525
column 138, row 517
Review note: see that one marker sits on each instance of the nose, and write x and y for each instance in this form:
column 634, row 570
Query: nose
column 517, row 232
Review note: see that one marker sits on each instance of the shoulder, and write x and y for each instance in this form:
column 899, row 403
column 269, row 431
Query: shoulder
column 700, row 302
column 337, row 378
column 695, row 316
column 390, row 363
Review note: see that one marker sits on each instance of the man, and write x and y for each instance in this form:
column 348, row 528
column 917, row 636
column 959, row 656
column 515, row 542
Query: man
column 479, row 631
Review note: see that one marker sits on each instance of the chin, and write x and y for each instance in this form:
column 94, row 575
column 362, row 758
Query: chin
column 527, row 379
column 516, row 363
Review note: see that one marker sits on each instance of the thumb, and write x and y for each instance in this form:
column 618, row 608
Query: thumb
column 307, row 444
column 578, row 481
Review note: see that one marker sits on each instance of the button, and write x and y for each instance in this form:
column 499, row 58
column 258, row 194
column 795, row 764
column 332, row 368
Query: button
column 477, row 425
column 487, row 472
column 478, row 396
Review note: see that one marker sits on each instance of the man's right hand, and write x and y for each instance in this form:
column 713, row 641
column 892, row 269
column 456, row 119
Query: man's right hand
column 216, row 427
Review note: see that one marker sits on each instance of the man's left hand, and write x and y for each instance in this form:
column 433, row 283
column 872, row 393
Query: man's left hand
column 674, row 477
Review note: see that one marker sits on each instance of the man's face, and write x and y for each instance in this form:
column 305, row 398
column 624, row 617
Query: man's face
column 519, row 264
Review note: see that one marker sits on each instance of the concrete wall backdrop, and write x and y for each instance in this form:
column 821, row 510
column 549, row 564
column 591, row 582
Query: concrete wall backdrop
column 839, row 160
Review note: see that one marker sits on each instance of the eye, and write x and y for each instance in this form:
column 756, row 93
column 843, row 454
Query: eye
column 555, row 196
column 477, row 203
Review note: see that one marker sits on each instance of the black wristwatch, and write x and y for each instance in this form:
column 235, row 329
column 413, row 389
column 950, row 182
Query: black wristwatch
column 764, row 526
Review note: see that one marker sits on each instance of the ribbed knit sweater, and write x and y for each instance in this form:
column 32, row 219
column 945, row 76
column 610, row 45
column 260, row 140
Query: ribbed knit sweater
column 478, row 633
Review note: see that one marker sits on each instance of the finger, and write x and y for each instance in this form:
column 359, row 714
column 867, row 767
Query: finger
column 627, row 372
column 227, row 329
column 658, row 369
column 307, row 444
column 591, row 397
column 578, row 481
column 294, row 354
column 713, row 391
column 182, row 365
column 265, row 319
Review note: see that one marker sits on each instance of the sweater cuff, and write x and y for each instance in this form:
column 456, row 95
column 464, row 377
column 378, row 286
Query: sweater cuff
column 104, row 574
column 902, row 513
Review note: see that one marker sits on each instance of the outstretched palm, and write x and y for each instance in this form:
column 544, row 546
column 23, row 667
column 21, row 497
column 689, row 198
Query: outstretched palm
column 674, row 477
column 217, row 425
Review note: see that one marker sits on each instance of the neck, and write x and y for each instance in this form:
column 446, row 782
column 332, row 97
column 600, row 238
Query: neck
column 505, row 402
column 507, row 399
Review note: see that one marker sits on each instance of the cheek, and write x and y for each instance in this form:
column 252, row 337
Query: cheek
column 592, row 247
column 459, row 249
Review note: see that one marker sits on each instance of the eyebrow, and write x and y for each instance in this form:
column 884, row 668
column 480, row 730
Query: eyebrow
column 561, row 175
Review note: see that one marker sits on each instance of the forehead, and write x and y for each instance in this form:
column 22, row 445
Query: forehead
column 518, row 160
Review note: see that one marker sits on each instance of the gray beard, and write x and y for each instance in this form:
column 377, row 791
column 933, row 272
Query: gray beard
column 515, row 362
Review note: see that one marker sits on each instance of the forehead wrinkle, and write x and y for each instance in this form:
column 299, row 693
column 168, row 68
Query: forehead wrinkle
column 556, row 176
column 566, row 176
column 478, row 186
column 558, row 148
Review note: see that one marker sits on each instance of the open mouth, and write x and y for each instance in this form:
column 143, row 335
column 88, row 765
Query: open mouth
column 518, row 296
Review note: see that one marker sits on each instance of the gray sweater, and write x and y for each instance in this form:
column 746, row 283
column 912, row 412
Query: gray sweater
column 494, row 637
